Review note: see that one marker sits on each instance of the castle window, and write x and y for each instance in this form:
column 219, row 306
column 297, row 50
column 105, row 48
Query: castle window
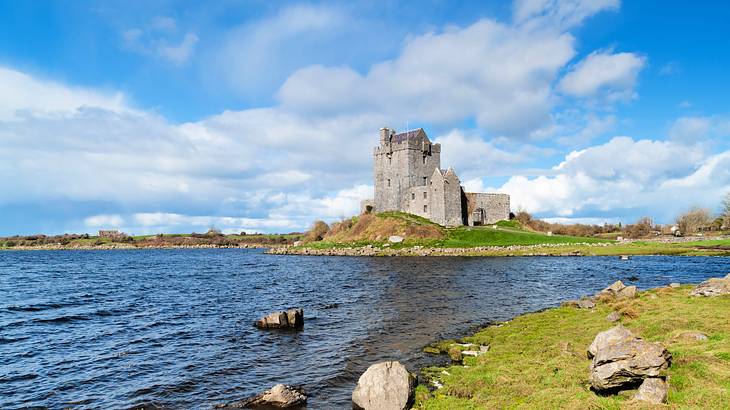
column 413, row 196
column 424, row 159
column 425, row 208
column 388, row 182
column 424, row 180
column 390, row 160
column 425, row 194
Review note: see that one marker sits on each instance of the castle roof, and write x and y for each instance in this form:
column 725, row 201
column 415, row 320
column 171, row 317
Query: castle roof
column 410, row 134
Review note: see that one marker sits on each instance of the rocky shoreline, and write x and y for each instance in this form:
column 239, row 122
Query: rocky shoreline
column 113, row 246
column 370, row 250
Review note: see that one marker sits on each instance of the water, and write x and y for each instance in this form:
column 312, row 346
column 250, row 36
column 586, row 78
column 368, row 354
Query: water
column 116, row 329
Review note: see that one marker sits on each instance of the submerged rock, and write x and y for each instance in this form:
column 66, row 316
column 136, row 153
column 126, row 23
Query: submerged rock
column 292, row 318
column 622, row 360
column 384, row 386
column 713, row 287
column 653, row 390
column 279, row 396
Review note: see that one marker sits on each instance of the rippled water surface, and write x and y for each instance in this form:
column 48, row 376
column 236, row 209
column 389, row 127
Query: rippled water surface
column 116, row 329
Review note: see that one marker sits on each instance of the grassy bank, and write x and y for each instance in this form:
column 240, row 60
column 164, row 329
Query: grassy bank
column 505, row 238
column 539, row 360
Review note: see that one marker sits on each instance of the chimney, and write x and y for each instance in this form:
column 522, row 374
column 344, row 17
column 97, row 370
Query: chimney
column 384, row 134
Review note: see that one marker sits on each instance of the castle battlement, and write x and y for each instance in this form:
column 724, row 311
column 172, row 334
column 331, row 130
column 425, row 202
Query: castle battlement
column 409, row 178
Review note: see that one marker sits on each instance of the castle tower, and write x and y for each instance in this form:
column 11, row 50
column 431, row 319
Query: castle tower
column 402, row 161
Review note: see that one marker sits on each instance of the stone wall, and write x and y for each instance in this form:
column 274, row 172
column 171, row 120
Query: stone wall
column 494, row 207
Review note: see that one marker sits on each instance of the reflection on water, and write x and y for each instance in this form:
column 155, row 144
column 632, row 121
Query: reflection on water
column 174, row 327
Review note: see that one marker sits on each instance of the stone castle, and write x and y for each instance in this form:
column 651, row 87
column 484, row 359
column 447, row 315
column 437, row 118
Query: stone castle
column 409, row 178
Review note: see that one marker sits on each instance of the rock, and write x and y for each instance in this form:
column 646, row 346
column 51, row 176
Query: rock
column 586, row 304
column 279, row 396
column 384, row 386
column 292, row 318
column 395, row 239
column 691, row 336
column 613, row 317
column 298, row 243
column 609, row 337
column 653, row 390
column 713, row 287
column 613, row 289
column 629, row 292
column 621, row 359
column 674, row 285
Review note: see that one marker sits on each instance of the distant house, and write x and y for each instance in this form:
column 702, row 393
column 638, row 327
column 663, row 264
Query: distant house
column 112, row 234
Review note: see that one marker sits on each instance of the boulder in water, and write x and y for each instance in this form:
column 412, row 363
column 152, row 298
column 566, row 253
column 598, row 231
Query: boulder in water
column 279, row 396
column 384, row 386
column 292, row 318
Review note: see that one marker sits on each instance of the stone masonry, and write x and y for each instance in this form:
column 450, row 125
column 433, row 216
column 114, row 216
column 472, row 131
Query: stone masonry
column 409, row 178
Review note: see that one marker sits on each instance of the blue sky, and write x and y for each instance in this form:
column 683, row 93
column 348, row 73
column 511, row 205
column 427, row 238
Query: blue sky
column 260, row 116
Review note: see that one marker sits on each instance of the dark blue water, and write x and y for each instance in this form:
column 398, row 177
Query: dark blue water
column 116, row 329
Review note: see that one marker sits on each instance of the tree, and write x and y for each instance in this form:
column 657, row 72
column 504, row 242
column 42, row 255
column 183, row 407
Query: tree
column 694, row 219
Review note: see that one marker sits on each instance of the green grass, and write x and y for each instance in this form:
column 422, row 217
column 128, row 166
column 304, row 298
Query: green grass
column 538, row 361
column 468, row 237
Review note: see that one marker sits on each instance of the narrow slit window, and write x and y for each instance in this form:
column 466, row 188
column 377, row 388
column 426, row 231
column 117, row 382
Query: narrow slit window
column 425, row 194
column 424, row 159
column 413, row 195
column 388, row 182
column 425, row 208
column 424, row 180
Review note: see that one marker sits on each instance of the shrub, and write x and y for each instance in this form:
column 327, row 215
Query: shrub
column 317, row 232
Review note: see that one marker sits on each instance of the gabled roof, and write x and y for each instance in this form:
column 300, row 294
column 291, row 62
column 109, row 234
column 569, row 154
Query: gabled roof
column 410, row 134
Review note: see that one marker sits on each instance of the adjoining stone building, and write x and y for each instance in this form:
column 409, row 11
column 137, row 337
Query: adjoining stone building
column 409, row 178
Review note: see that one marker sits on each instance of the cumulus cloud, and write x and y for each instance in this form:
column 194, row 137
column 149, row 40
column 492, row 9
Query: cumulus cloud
column 496, row 73
column 696, row 129
column 625, row 176
column 604, row 73
column 104, row 221
column 472, row 156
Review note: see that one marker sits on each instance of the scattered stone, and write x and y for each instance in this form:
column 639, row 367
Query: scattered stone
column 674, row 285
column 613, row 317
column 629, row 292
column 691, row 336
column 384, row 386
column 624, row 257
column 279, row 396
column 653, row 390
column 292, row 318
column 298, row 243
column 395, row 239
column 621, row 359
column 586, row 303
column 713, row 287
column 483, row 348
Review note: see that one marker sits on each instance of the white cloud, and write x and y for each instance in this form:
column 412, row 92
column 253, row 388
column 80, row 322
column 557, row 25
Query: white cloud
column 104, row 221
column 160, row 38
column 23, row 94
column 613, row 75
column 472, row 157
column 498, row 74
column 562, row 14
column 697, row 129
column 625, row 175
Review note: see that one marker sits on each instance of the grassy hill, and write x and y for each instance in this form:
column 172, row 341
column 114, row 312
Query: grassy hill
column 376, row 228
